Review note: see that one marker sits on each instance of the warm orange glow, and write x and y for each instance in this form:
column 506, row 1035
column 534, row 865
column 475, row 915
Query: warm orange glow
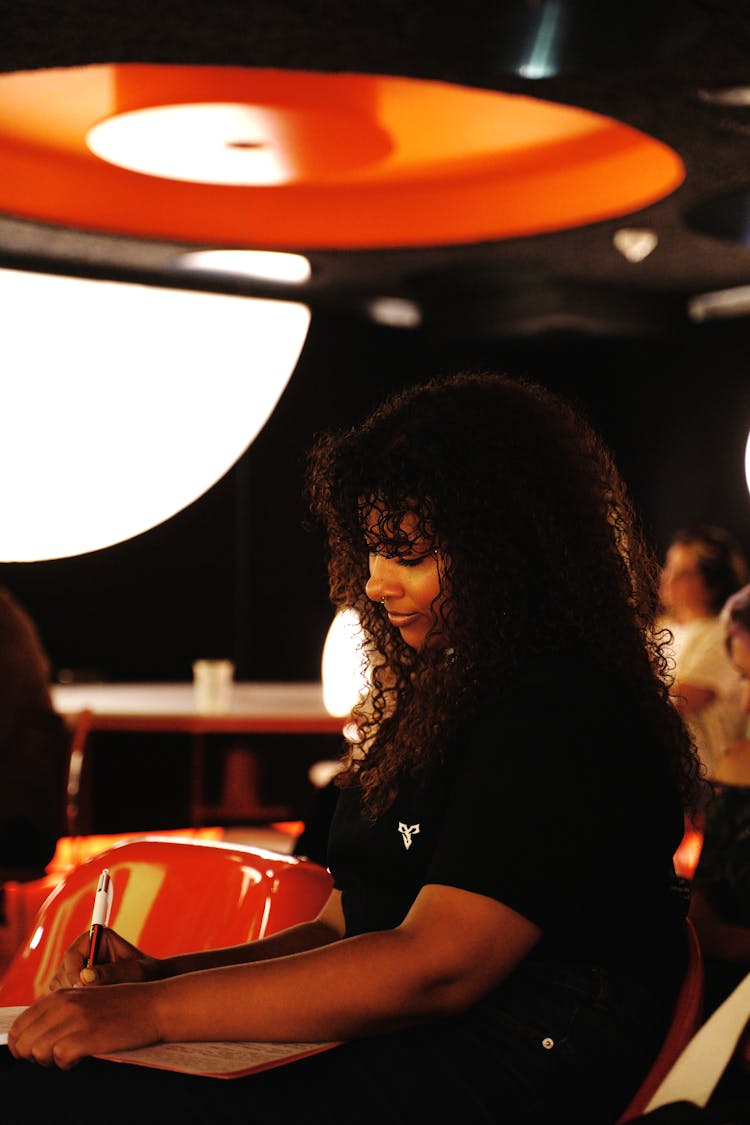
column 689, row 852
column 369, row 161
column 72, row 850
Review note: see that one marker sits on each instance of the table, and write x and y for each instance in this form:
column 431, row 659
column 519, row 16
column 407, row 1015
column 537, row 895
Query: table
column 255, row 707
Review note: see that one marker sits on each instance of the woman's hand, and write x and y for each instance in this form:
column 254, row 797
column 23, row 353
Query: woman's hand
column 67, row 1025
column 118, row 962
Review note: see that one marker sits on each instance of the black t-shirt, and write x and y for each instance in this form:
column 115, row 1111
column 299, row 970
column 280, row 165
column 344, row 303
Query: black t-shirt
column 555, row 803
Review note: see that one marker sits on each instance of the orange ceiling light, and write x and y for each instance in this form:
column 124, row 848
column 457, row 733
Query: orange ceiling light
column 292, row 159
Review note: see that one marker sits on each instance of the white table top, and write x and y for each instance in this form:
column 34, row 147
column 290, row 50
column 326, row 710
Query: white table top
column 300, row 700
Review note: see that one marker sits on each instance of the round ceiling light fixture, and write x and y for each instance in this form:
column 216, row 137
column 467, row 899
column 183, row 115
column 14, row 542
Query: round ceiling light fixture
column 125, row 403
column 344, row 668
column 295, row 160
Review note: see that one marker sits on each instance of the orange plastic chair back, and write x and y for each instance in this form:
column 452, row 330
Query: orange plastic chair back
column 686, row 1019
column 170, row 896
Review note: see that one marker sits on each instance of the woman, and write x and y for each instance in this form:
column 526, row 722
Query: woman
column 703, row 567
column 720, row 905
column 504, row 937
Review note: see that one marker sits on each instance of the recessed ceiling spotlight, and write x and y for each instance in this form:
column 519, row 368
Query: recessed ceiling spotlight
column 725, row 95
column 395, row 312
column 266, row 265
column 634, row 243
column 720, row 303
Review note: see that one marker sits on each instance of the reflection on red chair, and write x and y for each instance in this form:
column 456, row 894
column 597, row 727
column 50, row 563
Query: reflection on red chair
column 171, row 896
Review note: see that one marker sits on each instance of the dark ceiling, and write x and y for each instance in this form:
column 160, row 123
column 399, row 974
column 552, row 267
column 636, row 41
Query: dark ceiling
column 670, row 69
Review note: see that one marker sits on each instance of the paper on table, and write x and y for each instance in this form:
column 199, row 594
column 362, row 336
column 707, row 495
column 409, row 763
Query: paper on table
column 211, row 1059
column 218, row 1059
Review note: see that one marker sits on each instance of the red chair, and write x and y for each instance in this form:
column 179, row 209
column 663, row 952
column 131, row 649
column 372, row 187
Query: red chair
column 170, row 896
column 686, row 1018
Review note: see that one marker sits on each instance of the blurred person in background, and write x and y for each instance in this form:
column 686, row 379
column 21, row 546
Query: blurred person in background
column 704, row 565
column 720, row 902
column 33, row 747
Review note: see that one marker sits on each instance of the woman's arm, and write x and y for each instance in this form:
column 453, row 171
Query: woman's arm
column 453, row 947
column 327, row 927
column 121, row 962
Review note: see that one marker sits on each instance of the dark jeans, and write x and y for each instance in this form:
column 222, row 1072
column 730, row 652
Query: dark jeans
column 552, row 1044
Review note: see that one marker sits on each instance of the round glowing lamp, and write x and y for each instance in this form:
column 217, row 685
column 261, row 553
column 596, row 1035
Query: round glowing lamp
column 344, row 666
column 747, row 462
column 124, row 403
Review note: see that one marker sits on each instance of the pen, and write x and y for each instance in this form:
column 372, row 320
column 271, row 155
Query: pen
column 100, row 915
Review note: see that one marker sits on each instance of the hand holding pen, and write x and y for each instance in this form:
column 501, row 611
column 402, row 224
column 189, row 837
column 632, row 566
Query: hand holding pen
column 99, row 916
column 123, row 961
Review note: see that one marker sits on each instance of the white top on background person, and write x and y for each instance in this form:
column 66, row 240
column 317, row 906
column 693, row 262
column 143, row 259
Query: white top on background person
column 703, row 566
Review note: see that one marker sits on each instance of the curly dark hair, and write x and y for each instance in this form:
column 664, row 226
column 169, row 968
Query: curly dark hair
column 543, row 553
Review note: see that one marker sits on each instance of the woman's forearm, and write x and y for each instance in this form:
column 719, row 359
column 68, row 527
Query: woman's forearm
column 351, row 987
column 295, row 939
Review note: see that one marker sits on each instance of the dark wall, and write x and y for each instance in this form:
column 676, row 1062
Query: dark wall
column 238, row 574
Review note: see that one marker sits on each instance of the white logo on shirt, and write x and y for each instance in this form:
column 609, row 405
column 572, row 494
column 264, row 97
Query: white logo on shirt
column 407, row 831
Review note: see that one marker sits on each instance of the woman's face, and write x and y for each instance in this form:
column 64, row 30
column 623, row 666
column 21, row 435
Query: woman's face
column 682, row 591
column 409, row 584
column 739, row 652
